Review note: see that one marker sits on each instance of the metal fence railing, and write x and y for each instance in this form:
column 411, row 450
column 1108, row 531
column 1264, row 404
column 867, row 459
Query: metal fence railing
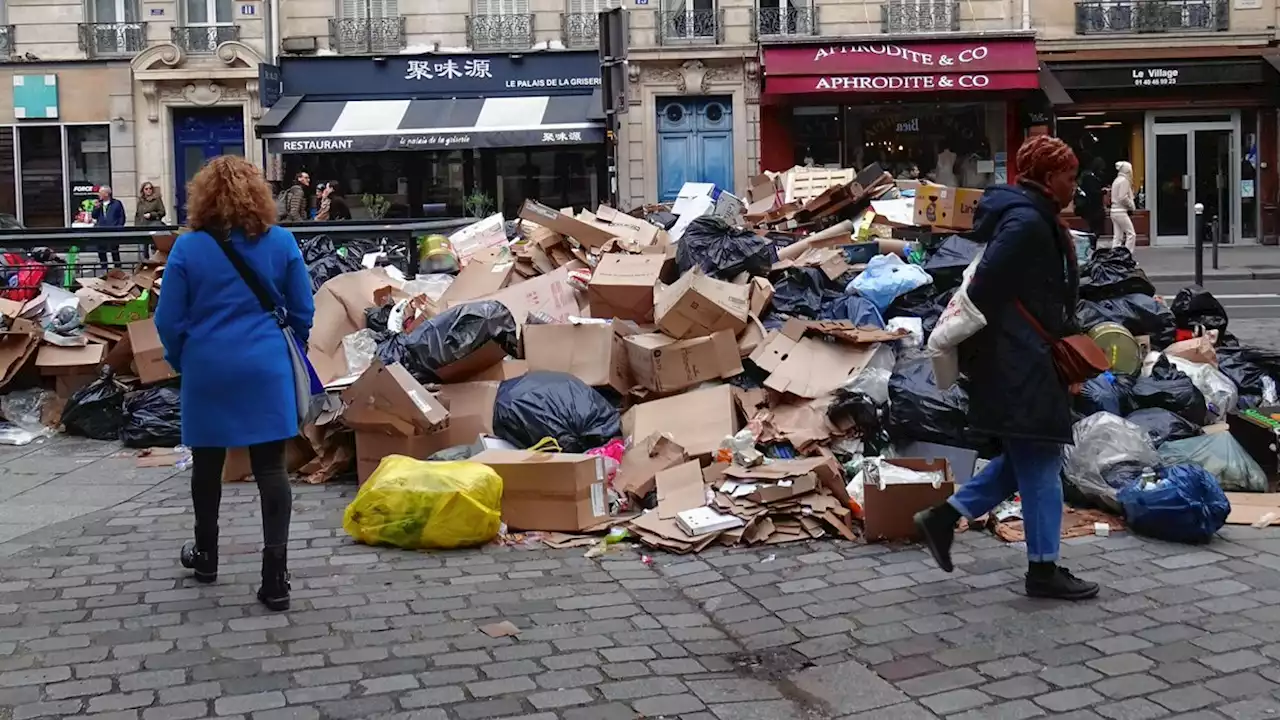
column 58, row 256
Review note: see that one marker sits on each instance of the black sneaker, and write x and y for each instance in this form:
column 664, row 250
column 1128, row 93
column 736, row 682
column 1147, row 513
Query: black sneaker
column 937, row 528
column 203, row 562
column 1060, row 584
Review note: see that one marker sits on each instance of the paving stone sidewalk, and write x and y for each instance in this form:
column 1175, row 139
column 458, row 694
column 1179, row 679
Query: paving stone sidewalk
column 99, row 621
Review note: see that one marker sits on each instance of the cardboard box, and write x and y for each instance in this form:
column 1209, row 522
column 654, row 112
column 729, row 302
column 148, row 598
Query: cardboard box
column 807, row 366
column 888, row 514
column 386, row 398
column 82, row 360
column 121, row 312
column 641, row 232
column 477, row 237
column 664, row 364
column 646, row 458
column 595, row 353
column 760, row 297
column 373, row 446
column 697, row 421
column 623, row 286
column 698, row 305
column 509, row 369
column 488, row 272
column 946, row 207
column 965, row 205
column 237, row 467
column 549, row 491
column 550, row 295
column 17, row 345
column 148, row 353
column 592, row 236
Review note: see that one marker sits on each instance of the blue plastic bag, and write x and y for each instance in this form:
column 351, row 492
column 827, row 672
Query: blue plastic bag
column 1186, row 505
column 887, row 277
column 854, row 308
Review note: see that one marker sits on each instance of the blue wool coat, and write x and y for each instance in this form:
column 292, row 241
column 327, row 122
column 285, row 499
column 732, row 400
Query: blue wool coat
column 237, row 381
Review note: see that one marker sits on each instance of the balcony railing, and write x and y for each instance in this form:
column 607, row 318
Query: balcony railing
column 580, row 30
column 781, row 22
column 920, row 16
column 354, row 36
column 1122, row 17
column 200, row 39
column 99, row 40
column 6, row 40
column 500, row 32
column 685, row 27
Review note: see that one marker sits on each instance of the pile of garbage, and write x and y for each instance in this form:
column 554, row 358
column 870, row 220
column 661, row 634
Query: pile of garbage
column 726, row 370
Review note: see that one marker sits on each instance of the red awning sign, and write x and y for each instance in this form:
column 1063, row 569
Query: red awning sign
column 989, row 64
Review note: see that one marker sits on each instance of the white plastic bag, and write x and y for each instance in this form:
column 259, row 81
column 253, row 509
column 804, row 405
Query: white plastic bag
column 1219, row 392
column 1103, row 441
column 960, row 321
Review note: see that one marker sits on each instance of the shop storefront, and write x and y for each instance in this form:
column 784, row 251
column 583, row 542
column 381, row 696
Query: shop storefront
column 945, row 109
column 1195, row 131
column 59, row 126
column 444, row 135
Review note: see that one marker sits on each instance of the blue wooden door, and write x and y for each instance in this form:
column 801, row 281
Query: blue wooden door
column 695, row 143
column 198, row 137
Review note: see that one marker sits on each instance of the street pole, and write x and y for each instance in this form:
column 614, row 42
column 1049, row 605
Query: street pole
column 1199, row 239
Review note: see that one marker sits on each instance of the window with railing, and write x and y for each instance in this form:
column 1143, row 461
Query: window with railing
column 367, row 26
column 690, row 21
column 1097, row 17
column 785, row 18
column 115, row 29
column 920, row 16
column 208, row 24
column 580, row 25
column 6, row 40
column 500, row 25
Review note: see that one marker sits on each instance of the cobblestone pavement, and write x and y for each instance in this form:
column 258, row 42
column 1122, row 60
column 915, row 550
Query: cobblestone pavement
column 98, row 620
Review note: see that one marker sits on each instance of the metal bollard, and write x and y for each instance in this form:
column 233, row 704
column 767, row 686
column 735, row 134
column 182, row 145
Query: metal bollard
column 1199, row 240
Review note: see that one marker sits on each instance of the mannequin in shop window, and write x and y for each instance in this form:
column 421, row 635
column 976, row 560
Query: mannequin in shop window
column 970, row 177
column 944, row 171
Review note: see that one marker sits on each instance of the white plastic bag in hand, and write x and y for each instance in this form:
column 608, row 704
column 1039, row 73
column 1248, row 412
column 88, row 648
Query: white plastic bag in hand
column 960, row 321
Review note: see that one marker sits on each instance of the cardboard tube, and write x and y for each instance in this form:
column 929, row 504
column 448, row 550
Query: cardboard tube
column 838, row 234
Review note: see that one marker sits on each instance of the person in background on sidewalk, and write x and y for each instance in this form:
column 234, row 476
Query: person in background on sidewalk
column 1090, row 205
column 1122, row 207
column 237, row 379
column 295, row 199
column 108, row 212
column 150, row 210
column 1028, row 267
column 338, row 209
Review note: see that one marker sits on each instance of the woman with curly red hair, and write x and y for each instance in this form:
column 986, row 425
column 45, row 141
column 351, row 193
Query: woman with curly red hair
column 237, row 377
column 1015, row 395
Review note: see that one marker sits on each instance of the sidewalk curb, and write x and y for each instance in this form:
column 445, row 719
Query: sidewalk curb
column 1215, row 275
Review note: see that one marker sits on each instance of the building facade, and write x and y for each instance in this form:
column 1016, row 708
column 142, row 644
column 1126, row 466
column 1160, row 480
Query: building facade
column 121, row 92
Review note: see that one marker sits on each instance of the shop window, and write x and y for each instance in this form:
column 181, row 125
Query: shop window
column 816, row 135
column 1101, row 139
column 43, row 185
column 947, row 144
column 8, row 189
column 1249, row 176
column 88, row 163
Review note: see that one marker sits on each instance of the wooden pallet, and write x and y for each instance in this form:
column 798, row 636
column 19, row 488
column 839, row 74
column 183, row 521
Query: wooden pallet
column 804, row 184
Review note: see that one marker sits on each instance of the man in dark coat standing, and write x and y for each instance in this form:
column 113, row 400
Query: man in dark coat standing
column 1015, row 394
column 108, row 212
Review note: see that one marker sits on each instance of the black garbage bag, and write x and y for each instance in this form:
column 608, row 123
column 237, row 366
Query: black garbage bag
column 449, row 337
column 853, row 308
column 377, row 318
column 96, row 410
column 800, row 292
column 1105, row 393
column 554, row 405
column 1196, row 307
column 1111, row 273
column 1171, row 389
column 918, row 410
column 1247, row 366
column 331, row 266
column 859, row 413
column 152, row 418
column 925, row 303
column 1139, row 314
column 1162, row 426
column 316, row 247
column 722, row 250
column 662, row 219
column 947, row 265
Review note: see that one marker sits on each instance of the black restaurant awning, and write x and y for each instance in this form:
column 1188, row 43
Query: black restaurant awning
column 376, row 125
column 276, row 115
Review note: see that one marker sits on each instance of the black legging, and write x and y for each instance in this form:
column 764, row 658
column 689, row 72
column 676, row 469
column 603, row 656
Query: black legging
column 268, row 463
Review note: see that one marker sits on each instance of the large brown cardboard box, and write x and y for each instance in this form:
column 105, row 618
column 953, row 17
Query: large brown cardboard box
column 594, row 353
column 373, row 446
column 549, row 491
column 16, row 348
column 664, row 364
column 148, row 353
column 550, row 295
column 697, row 421
column 697, row 305
column 623, row 286
column 588, row 234
column 387, row 399
column 935, row 205
column 965, row 205
column 81, row 360
column 488, row 272
column 888, row 514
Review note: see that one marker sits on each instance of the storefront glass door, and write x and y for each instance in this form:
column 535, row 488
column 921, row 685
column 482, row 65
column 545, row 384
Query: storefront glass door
column 1195, row 162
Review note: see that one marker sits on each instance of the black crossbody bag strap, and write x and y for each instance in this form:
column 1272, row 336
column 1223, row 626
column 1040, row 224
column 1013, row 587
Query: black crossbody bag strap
column 253, row 281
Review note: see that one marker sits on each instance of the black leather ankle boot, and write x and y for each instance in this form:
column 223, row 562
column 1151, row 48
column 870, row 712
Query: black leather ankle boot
column 274, row 592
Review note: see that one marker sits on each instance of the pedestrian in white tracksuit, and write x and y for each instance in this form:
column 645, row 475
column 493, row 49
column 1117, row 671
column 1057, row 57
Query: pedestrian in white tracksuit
column 1122, row 207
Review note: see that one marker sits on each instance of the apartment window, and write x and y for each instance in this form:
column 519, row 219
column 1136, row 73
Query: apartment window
column 920, row 16
column 582, row 21
column 685, row 19
column 117, row 28
column 785, row 17
column 368, row 9
column 208, row 24
column 501, row 24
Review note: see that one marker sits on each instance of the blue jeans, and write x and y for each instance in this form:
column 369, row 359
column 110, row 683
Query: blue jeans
column 1032, row 469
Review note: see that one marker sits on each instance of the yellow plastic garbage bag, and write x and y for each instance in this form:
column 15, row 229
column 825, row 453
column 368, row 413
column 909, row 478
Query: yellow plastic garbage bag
column 415, row 504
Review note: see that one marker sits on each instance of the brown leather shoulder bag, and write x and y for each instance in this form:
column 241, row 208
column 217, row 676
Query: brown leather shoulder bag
column 1077, row 358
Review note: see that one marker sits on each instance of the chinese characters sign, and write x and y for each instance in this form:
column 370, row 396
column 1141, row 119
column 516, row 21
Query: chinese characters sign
column 447, row 69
